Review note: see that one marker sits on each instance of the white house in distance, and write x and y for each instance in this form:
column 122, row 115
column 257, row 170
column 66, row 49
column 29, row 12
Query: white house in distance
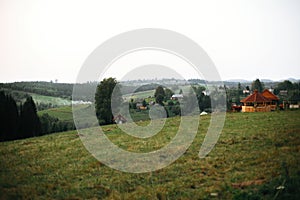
column 176, row 96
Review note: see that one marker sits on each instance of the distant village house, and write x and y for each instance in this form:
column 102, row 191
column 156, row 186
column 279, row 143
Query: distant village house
column 260, row 102
column 119, row 119
column 176, row 96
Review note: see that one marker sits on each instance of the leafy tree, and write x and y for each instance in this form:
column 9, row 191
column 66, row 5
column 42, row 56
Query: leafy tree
column 203, row 100
column 199, row 90
column 159, row 95
column 144, row 103
column 30, row 125
column 176, row 110
column 104, row 99
column 168, row 94
column 285, row 85
column 257, row 85
column 159, row 99
column 293, row 91
column 170, row 103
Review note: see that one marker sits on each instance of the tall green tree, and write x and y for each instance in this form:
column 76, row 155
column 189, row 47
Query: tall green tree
column 168, row 94
column 8, row 117
column 159, row 95
column 240, row 90
column 257, row 85
column 104, row 99
column 30, row 125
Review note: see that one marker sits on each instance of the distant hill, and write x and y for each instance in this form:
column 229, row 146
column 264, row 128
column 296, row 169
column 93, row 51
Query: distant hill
column 238, row 80
column 267, row 80
column 293, row 80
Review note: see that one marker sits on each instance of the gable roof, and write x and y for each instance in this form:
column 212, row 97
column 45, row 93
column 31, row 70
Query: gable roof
column 255, row 97
column 269, row 95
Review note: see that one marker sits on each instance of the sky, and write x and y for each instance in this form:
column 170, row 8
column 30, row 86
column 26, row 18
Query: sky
column 48, row 40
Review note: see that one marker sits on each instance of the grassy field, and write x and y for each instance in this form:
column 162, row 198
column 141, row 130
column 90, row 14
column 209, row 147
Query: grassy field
column 139, row 95
column 256, row 157
column 147, row 93
column 63, row 113
column 48, row 99
column 55, row 101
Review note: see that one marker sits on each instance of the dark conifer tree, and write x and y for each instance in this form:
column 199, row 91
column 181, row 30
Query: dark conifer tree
column 8, row 117
column 12, row 118
column 3, row 121
column 30, row 125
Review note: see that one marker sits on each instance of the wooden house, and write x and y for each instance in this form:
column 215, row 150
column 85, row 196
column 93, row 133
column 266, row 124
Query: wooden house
column 256, row 102
column 274, row 99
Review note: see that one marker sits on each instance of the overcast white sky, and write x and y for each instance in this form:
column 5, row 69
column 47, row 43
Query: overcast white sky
column 48, row 40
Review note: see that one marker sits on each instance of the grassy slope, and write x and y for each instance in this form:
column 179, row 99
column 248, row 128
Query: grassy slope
column 62, row 113
column 49, row 99
column 57, row 101
column 256, row 153
column 147, row 93
column 140, row 95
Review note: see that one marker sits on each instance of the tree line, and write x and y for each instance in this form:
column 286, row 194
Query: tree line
column 19, row 122
column 63, row 90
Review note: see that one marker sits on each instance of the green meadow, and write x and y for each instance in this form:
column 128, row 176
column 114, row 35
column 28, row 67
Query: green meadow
column 256, row 157
column 57, row 101
column 63, row 113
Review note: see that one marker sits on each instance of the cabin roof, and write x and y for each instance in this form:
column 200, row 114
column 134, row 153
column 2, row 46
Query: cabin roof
column 269, row 95
column 255, row 97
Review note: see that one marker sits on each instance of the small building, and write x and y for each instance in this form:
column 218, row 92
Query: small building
column 294, row 106
column 138, row 105
column 143, row 107
column 176, row 96
column 274, row 99
column 283, row 92
column 256, row 102
column 119, row 119
column 246, row 91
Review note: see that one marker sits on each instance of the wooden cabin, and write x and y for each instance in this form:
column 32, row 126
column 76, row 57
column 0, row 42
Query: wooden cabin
column 274, row 99
column 259, row 102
